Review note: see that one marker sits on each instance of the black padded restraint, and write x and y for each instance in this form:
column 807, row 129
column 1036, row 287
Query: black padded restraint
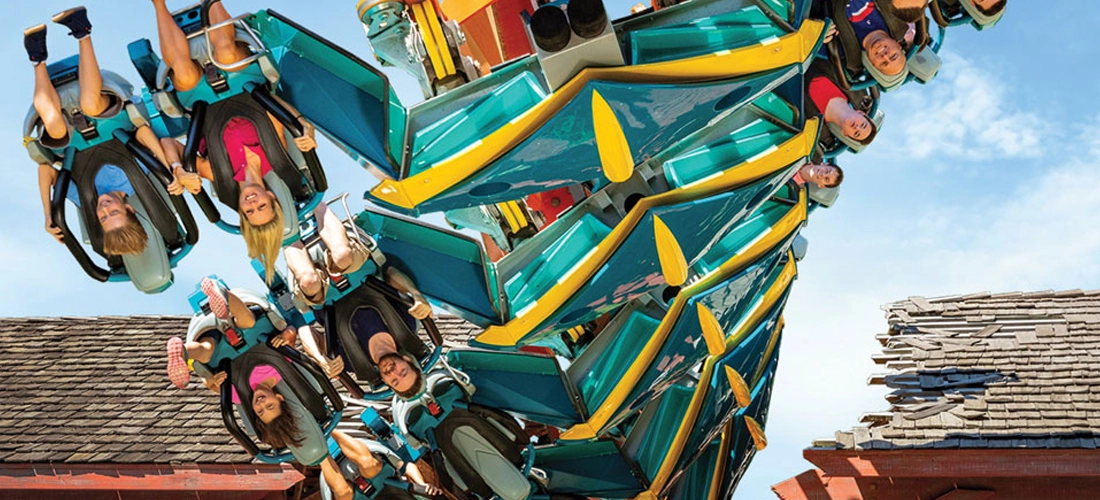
column 86, row 165
column 241, row 369
column 340, row 319
column 469, row 474
column 519, row 437
column 243, row 106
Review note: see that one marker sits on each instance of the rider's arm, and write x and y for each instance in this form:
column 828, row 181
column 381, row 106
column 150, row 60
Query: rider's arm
column 278, row 129
column 47, row 176
column 397, row 279
column 304, row 143
column 412, row 472
column 333, row 368
column 147, row 138
column 357, row 452
column 214, row 383
column 309, row 344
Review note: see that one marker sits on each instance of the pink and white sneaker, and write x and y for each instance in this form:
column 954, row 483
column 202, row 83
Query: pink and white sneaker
column 217, row 297
column 178, row 372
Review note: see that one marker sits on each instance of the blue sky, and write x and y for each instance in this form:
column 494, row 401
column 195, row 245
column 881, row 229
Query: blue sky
column 978, row 181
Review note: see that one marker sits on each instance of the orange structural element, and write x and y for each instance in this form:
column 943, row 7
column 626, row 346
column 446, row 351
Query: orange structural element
column 245, row 481
column 551, row 203
column 496, row 30
column 945, row 474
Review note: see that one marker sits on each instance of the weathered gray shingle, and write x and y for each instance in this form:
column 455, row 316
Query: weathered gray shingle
column 988, row 371
column 83, row 390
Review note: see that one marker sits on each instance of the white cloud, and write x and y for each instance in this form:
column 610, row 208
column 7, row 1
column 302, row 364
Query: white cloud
column 1038, row 235
column 967, row 112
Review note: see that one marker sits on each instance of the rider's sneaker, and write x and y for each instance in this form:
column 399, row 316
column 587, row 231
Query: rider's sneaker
column 178, row 372
column 34, row 40
column 76, row 19
column 217, row 296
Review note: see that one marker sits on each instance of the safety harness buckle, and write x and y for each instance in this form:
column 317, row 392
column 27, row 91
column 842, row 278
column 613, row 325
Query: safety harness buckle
column 234, row 338
column 434, row 409
column 341, row 282
column 215, row 78
column 365, row 487
column 83, row 125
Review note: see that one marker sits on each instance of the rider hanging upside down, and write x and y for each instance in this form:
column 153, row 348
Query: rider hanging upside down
column 874, row 35
column 398, row 369
column 122, row 232
column 176, row 52
column 828, row 101
column 234, row 310
column 277, row 426
column 261, row 214
column 309, row 274
column 278, row 419
column 822, row 175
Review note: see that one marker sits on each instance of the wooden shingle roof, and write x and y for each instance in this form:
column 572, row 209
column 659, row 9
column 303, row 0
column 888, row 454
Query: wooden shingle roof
column 1009, row 370
column 94, row 390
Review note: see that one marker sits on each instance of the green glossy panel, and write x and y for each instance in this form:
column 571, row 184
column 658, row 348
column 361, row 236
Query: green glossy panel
column 529, row 285
column 778, row 108
column 727, row 31
column 696, row 481
column 744, row 143
column 591, row 469
column 445, row 265
column 751, row 228
column 529, row 385
column 616, row 358
column 668, row 413
column 783, row 8
column 360, row 86
column 468, row 125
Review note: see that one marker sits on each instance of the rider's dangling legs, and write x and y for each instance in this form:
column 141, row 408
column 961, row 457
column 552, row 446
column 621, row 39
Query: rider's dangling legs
column 277, row 426
column 176, row 51
column 309, row 275
column 123, row 233
column 235, row 313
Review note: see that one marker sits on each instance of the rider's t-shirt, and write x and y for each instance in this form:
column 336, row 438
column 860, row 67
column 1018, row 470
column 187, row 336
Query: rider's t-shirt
column 110, row 178
column 366, row 323
column 865, row 18
column 822, row 90
column 239, row 134
column 259, row 374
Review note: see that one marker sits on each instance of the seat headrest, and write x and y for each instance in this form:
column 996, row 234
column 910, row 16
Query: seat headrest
column 924, row 64
column 286, row 201
column 824, row 196
column 799, row 247
column 314, row 447
column 149, row 271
